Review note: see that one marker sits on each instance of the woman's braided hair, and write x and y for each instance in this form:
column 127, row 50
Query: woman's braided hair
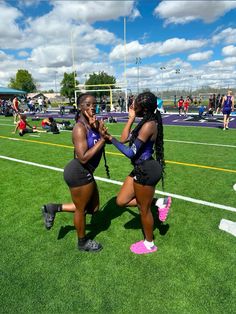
column 80, row 99
column 148, row 102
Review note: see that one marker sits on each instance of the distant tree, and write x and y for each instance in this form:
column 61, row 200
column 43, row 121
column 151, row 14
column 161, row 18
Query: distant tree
column 51, row 91
column 23, row 81
column 68, row 85
column 100, row 78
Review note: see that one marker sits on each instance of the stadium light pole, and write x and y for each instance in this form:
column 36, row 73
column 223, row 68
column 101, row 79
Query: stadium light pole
column 162, row 70
column 190, row 85
column 55, row 81
column 138, row 61
column 177, row 72
column 73, row 57
column 125, row 65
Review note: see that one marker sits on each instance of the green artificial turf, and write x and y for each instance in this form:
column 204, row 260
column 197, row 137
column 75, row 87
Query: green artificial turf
column 193, row 270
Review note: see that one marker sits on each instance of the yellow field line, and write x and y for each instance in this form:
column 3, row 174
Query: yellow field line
column 119, row 154
column 200, row 166
column 39, row 142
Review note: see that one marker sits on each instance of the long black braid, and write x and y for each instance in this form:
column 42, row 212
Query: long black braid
column 80, row 99
column 148, row 101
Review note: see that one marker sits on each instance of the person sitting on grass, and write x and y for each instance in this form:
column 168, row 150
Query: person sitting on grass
column 46, row 123
column 22, row 127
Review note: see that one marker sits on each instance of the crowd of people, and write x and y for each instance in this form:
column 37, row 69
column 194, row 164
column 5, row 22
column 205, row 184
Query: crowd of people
column 17, row 103
column 217, row 104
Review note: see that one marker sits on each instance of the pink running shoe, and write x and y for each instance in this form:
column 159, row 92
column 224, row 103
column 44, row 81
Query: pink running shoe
column 140, row 248
column 163, row 209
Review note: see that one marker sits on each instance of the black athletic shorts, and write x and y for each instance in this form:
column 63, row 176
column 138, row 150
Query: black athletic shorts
column 147, row 173
column 76, row 174
column 25, row 131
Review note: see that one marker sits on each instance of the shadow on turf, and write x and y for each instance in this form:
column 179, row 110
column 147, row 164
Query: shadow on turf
column 101, row 221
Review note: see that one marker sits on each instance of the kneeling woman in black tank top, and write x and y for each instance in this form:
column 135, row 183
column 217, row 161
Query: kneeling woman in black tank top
column 78, row 173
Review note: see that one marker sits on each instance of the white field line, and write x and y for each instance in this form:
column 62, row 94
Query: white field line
column 194, row 126
column 7, row 124
column 201, row 143
column 181, row 197
column 174, row 141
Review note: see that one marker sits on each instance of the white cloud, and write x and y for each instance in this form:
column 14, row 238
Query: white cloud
column 173, row 45
column 93, row 11
column 229, row 51
column 182, row 12
column 3, row 56
column 23, row 53
column 227, row 36
column 9, row 30
column 28, row 3
column 230, row 61
column 216, row 64
column 200, row 56
column 134, row 14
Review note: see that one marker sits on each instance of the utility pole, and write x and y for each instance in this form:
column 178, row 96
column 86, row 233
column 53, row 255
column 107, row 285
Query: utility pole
column 162, row 87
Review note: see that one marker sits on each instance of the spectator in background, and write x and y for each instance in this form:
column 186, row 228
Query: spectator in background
column 15, row 107
column 160, row 105
column 180, row 105
column 46, row 123
column 119, row 101
column 201, row 111
column 130, row 100
column 62, row 110
column 186, row 105
column 211, row 105
column 218, row 104
column 122, row 104
column 175, row 100
column 228, row 107
column 40, row 104
column 214, row 102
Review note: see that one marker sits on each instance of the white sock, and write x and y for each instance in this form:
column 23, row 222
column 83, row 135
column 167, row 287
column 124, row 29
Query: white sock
column 160, row 202
column 148, row 244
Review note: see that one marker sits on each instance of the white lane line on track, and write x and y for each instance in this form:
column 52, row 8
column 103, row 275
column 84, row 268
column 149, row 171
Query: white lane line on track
column 181, row 197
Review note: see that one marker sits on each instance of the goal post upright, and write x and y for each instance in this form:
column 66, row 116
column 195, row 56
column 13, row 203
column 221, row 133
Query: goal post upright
column 82, row 87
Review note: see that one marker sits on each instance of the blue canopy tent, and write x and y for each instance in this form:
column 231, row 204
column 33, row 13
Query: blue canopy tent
column 7, row 92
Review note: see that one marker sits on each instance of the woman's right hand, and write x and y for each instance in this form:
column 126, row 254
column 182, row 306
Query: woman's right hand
column 103, row 131
column 132, row 111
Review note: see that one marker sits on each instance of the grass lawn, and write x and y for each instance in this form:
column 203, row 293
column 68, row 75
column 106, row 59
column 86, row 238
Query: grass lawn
column 193, row 270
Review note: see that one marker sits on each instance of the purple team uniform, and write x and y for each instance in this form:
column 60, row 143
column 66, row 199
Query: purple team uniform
column 227, row 105
column 77, row 174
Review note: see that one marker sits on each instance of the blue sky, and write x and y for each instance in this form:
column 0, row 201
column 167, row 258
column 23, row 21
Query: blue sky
column 197, row 37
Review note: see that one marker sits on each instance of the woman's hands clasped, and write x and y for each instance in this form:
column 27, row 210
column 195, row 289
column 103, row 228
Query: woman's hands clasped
column 103, row 131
